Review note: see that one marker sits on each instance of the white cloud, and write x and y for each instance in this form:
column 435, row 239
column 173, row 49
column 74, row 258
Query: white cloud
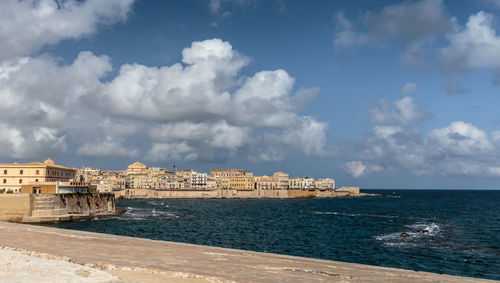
column 421, row 28
column 357, row 169
column 346, row 35
column 200, row 109
column 476, row 46
column 26, row 26
column 409, row 88
column 405, row 111
column 395, row 143
column 410, row 20
column 413, row 24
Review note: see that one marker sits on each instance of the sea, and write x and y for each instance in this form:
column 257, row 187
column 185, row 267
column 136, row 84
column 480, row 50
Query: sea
column 445, row 231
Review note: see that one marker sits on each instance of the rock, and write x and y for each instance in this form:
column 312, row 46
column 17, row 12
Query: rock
column 404, row 235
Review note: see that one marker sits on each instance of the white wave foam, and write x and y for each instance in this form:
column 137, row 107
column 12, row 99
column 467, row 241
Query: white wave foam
column 411, row 237
column 354, row 214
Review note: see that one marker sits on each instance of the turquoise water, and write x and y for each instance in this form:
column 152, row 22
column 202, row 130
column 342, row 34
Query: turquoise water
column 452, row 232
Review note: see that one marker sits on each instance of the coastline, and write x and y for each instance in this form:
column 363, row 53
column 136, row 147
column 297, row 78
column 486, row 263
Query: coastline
column 236, row 194
column 143, row 260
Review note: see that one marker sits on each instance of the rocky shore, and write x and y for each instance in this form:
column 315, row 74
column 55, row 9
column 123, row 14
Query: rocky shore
column 43, row 254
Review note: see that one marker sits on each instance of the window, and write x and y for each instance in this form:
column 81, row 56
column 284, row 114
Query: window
column 37, row 172
column 4, row 181
column 20, row 172
column 20, row 181
column 5, row 171
column 36, row 180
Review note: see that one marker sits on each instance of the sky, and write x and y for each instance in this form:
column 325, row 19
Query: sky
column 376, row 94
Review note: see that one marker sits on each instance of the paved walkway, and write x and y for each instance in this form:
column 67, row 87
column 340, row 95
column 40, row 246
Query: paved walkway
column 142, row 260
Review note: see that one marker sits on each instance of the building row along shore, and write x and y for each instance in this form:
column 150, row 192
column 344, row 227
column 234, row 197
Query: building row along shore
column 50, row 178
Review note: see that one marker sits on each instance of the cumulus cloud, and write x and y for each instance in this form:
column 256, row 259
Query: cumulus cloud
column 421, row 28
column 26, row 26
column 396, row 143
column 415, row 25
column 357, row 169
column 347, row 36
column 405, row 111
column 409, row 88
column 200, row 109
column 476, row 46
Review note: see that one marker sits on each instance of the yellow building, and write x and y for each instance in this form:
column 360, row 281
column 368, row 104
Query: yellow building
column 242, row 182
column 137, row 168
column 14, row 175
column 222, row 183
column 140, row 181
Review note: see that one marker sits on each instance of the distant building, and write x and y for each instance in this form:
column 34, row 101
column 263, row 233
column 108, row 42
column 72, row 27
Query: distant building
column 227, row 172
column 282, row 179
column 14, row 175
column 137, row 168
column 300, row 184
column 324, row 184
column 197, row 181
column 58, row 187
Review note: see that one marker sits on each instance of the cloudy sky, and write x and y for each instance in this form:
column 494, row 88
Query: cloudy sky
column 380, row 94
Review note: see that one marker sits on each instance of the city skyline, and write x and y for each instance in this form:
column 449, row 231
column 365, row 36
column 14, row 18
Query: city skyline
column 338, row 89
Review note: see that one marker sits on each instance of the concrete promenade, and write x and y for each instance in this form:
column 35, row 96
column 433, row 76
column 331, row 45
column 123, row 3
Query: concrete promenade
column 93, row 257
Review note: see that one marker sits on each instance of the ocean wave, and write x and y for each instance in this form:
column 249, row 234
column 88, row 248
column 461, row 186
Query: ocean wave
column 412, row 237
column 353, row 214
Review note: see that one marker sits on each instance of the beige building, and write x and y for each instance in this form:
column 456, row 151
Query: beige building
column 266, row 183
column 324, row 184
column 14, row 175
column 137, row 168
column 227, row 172
column 140, row 181
column 282, row 179
column 301, row 183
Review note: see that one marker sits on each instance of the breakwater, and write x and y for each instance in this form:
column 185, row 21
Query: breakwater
column 234, row 194
column 39, row 208
column 141, row 260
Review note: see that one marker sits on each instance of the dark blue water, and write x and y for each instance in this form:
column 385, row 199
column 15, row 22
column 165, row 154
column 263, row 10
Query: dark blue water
column 453, row 232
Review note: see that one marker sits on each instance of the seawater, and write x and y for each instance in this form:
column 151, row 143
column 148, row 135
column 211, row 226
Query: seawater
column 452, row 232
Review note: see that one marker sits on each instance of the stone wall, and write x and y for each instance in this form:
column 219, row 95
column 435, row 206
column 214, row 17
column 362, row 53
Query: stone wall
column 236, row 194
column 14, row 207
column 34, row 208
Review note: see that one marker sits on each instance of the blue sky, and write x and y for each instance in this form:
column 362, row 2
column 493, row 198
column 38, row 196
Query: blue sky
column 380, row 94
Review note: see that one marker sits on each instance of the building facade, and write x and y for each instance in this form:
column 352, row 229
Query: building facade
column 14, row 175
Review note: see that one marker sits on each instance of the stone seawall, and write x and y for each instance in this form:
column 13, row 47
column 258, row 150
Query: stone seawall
column 231, row 194
column 33, row 208
column 125, row 259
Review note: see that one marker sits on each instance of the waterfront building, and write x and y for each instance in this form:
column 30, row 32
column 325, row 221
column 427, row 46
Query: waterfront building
column 222, row 183
column 324, row 184
column 300, row 183
column 58, row 187
column 197, row 181
column 227, row 172
column 211, row 183
column 266, row 183
column 242, row 182
column 282, row 179
column 14, row 175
